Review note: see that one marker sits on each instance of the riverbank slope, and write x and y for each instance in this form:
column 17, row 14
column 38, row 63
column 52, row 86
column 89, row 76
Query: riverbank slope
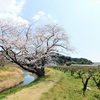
column 56, row 85
column 10, row 76
column 34, row 92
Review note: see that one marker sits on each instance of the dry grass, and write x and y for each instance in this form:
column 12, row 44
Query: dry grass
column 49, row 72
column 36, row 91
column 55, row 86
column 10, row 77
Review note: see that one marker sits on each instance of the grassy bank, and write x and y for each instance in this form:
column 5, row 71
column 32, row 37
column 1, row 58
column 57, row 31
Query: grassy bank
column 34, row 90
column 70, row 88
column 56, row 85
column 10, row 76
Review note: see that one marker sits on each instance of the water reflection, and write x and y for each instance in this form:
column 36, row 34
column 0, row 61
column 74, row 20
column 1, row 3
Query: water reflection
column 28, row 78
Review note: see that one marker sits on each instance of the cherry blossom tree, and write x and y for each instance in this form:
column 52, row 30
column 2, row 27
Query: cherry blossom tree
column 30, row 48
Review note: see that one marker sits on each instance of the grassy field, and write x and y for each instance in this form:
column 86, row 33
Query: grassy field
column 70, row 88
column 56, row 85
column 10, row 76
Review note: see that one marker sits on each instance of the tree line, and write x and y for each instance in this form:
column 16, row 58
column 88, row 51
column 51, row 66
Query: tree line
column 61, row 60
column 85, row 74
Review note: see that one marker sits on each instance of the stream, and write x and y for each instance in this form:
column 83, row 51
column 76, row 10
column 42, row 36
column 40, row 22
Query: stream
column 28, row 78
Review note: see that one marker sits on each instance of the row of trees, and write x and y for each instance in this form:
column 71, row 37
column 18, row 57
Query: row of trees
column 85, row 74
column 29, row 47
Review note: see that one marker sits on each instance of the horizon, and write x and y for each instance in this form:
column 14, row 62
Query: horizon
column 80, row 19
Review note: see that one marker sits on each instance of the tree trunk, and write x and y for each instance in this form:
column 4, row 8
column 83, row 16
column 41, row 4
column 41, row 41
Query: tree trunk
column 98, row 84
column 40, row 72
column 85, row 85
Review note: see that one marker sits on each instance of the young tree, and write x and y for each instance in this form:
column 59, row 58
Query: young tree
column 28, row 48
column 96, row 77
column 85, row 77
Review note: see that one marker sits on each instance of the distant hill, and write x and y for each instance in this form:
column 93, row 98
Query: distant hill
column 55, row 59
column 61, row 59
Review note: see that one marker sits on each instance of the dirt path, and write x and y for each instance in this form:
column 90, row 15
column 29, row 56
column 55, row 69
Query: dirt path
column 31, row 93
column 34, row 92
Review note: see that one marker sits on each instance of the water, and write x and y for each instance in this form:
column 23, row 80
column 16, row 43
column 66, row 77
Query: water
column 98, row 63
column 28, row 78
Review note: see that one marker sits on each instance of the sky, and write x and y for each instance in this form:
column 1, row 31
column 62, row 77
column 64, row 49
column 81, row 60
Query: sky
column 80, row 19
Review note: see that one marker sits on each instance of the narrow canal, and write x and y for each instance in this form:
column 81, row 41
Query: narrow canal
column 28, row 78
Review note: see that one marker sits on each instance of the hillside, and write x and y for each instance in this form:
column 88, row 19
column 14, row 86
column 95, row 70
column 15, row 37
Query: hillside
column 62, row 59
column 55, row 58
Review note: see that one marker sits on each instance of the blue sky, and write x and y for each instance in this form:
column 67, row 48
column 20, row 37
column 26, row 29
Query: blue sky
column 80, row 19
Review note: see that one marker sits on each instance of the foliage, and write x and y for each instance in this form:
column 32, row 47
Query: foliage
column 26, row 46
column 70, row 88
column 62, row 59
column 85, row 74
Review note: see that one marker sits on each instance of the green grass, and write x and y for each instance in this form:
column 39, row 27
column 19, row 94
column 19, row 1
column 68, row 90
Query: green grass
column 4, row 68
column 67, row 88
column 48, row 77
column 16, row 89
column 70, row 88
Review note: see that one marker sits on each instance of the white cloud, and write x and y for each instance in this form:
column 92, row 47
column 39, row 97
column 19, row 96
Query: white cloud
column 39, row 15
column 11, row 6
column 44, row 17
column 49, row 16
column 10, row 9
column 36, row 17
column 12, row 19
